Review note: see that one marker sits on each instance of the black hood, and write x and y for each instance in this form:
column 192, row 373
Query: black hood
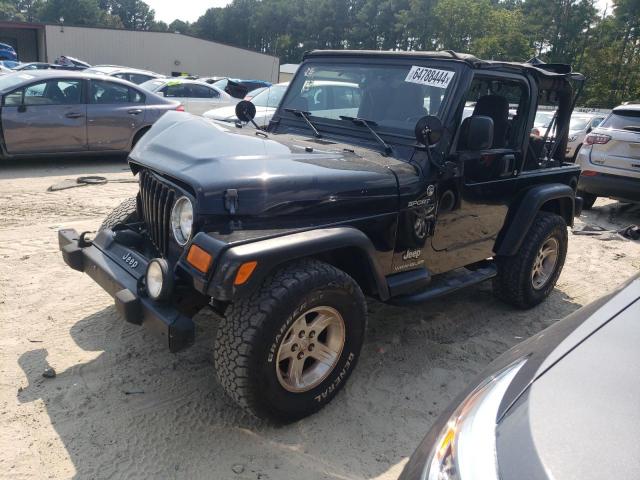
column 273, row 175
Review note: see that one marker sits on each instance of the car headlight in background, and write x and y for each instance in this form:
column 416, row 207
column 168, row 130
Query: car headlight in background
column 466, row 447
column 182, row 220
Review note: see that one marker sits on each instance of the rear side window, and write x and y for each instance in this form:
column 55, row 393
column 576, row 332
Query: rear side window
column 178, row 90
column 109, row 93
column 200, row 91
column 621, row 119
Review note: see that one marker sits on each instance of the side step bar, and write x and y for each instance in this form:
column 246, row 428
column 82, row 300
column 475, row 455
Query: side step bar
column 446, row 283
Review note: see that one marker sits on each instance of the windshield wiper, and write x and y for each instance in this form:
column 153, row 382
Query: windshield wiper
column 369, row 124
column 305, row 117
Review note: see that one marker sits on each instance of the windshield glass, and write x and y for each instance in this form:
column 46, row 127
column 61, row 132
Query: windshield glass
column 392, row 96
column 221, row 84
column 621, row 119
column 543, row 119
column 579, row 123
column 152, row 85
column 270, row 97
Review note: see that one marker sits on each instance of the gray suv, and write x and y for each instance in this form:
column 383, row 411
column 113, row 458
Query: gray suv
column 610, row 158
column 48, row 112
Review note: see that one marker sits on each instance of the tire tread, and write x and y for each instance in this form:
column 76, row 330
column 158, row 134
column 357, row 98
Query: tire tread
column 240, row 329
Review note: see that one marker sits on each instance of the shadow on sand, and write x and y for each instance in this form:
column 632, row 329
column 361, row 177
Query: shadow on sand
column 137, row 411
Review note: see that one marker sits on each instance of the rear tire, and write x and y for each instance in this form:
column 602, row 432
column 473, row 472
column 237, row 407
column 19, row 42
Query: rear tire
column 588, row 199
column 262, row 336
column 126, row 212
column 528, row 277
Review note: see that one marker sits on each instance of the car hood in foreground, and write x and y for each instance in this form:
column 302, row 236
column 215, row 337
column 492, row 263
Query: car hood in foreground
column 274, row 174
column 581, row 418
column 545, row 352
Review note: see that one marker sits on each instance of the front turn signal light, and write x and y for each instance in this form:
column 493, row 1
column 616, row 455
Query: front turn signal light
column 199, row 259
column 244, row 272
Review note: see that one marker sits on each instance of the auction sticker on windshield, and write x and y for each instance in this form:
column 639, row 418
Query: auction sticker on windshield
column 432, row 77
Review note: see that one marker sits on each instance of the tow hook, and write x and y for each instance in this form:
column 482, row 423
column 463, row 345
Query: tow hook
column 83, row 242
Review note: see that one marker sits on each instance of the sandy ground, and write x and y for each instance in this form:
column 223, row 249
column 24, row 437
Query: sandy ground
column 122, row 406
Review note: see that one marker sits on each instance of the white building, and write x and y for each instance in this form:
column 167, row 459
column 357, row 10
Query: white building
column 287, row 71
column 162, row 52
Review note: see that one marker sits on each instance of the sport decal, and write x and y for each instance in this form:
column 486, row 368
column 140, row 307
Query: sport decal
column 431, row 77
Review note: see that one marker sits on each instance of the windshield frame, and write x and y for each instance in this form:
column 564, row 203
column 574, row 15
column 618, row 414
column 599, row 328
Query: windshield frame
column 343, row 128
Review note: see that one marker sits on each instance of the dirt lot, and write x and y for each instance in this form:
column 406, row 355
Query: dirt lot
column 122, row 406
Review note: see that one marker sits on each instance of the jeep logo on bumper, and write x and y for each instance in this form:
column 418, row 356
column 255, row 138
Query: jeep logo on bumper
column 129, row 260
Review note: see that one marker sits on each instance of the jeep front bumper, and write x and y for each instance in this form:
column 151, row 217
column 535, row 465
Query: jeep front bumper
column 99, row 261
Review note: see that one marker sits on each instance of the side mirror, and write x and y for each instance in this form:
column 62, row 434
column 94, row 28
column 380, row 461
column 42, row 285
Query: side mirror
column 428, row 130
column 476, row 133
column 245, row 111
column 589, row 128
column 160, row 93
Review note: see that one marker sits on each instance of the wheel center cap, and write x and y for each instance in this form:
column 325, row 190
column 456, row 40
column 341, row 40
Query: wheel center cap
column 304, row 343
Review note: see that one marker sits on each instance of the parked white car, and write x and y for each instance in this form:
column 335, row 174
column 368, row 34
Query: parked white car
column 196, row 96
column 266, row 103
column 610, row 158
column 133, row 75
column 580, row 126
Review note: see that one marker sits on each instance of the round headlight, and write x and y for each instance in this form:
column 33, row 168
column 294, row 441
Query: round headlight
column 158, row 279
column 182, row 220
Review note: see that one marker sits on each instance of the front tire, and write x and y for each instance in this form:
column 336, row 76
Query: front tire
column 286, row 350
column 527, row 278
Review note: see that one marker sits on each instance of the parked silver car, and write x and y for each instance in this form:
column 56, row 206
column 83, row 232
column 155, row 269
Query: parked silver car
column 266, row 103
column 48, row 112
column 610, row 158
column 196, row 96
column 132, row 75
column 580, row 126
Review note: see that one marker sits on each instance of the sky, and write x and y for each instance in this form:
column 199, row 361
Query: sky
column 187, row 10
column 190, row 10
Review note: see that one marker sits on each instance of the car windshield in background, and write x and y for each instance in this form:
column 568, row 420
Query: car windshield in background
column 394, row 97
column 270, row 97
column 543, row 119
column 620, row 119
column 152, row 85
column 221, row 84
column 579, row 123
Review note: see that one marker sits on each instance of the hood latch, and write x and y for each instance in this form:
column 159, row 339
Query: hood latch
column 231, row 200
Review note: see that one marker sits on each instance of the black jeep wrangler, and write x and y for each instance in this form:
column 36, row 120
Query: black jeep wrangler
column 397, row 175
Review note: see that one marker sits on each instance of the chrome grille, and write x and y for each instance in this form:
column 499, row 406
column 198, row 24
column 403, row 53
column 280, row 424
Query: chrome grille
column 156, row 200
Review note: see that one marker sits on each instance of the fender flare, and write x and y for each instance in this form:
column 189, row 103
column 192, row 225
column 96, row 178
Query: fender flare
column 273, row 252
column 522, row 214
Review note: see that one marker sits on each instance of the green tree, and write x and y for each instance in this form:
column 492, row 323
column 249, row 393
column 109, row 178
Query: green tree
column 134, row 14
column 9, row 12
column 179, row 26
column 74, row 12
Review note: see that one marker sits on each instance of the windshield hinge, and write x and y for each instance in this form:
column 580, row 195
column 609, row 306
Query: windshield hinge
column 231, row 200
